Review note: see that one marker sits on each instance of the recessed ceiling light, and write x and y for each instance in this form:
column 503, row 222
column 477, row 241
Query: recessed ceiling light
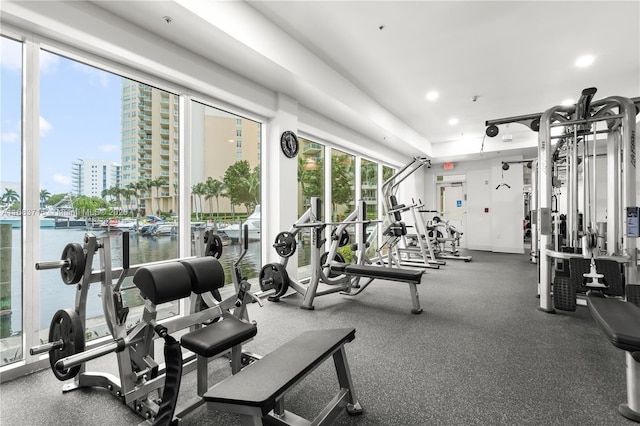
column 453, row 121
column 568, row 102
column 433, row 95
column 584, row 61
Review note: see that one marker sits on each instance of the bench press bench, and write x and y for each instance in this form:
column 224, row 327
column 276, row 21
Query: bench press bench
column 409, row 276
column 620, row 322
column 257, row 392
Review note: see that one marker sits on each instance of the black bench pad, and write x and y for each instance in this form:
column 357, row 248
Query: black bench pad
column 218, row 337
column 620, row 321
column 260, row 383
column 393, row 274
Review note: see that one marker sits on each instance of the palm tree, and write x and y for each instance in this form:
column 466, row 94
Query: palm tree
column 44, row 196
column 157, row 183
column 144, row 186
column 10, row 196
column 253, row 188
column 127, row 193
column 215, row 189
column 195, row 192
column 134, row 189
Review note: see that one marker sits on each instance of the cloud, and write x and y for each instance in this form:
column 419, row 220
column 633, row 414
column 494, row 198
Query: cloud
column 45, row 127
column 48, row 62
column 96, row 76
column 108, row 148
column 61, row 179
column 9, row 137
column 11, row 55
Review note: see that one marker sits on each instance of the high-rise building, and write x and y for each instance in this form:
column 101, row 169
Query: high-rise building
column 220, row 139
column 91, row 177
column 150, row 146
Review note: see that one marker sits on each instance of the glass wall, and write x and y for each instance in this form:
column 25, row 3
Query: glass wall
column 343, row 185
column 369, row 193
column 310, row 184
column 225, row 183
column 10, row 202
column 108, row 162
column 343, row 196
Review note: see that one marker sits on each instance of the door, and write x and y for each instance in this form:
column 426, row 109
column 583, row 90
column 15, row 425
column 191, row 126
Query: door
column 452, row 207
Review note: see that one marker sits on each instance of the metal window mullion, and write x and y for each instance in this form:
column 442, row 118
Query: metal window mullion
column 184, row 183
column 30, row 197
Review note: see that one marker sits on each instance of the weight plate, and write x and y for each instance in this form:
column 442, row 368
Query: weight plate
column 274, row 276
column 344, row 237
column 66, row 326
column 285, row 244
column 72, row 273
column 337, row 258
column 214, row 245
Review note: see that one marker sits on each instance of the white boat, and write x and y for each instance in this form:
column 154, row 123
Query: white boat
column 126, row 225
column 233, row 231
column 165, row 229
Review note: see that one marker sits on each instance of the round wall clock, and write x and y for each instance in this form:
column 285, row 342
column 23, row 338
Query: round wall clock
column 289, row 144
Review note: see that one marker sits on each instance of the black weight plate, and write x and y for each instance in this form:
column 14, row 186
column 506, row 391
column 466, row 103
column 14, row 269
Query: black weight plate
column 344, row 237
column 73, row 253
column 274, row 276
column 214, row 245
column 66, row 326
column 337, row 258
column 285, row 244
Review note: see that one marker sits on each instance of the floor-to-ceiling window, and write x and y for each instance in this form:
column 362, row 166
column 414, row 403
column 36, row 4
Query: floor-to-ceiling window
column 310, row 184
column 343, row 185
column 343, row 195
column 225, row 183
column 10, row 202
column 109, row 154
column 369, row 193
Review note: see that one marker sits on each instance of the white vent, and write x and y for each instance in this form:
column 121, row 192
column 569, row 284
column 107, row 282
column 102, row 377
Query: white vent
column 507, row 138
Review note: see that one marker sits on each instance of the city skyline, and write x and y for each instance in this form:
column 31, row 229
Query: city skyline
column 80, row 117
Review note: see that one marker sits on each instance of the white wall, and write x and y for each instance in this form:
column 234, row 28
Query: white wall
column 500, row 228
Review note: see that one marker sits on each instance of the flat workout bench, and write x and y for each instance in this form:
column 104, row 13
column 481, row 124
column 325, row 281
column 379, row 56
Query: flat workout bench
column 257, row 392
column 620, row 322
column 410, row 276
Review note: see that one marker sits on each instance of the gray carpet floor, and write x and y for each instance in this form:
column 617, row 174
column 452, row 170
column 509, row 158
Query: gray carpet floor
column 479, row 354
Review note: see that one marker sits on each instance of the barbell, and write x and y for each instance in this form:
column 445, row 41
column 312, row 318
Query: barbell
column 322, row 224
column 71, row 263
column 66, row 338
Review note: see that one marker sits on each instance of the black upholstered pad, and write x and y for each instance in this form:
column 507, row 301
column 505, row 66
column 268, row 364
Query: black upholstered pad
column 259, row 384
column 393, row 274
column 164, row 282
column 206, row 273
column 218, row 337
column 620, row 321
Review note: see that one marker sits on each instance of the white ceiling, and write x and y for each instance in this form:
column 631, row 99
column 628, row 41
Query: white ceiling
column 516, row 57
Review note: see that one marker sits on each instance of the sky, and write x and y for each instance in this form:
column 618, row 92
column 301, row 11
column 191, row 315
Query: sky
column 80, row 116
